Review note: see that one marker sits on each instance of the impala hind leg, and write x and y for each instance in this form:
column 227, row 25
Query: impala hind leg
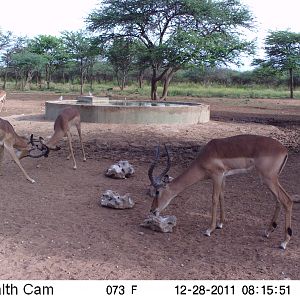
column 80, row 138
column 71, row 150
column 217, row 189
column 221, row 200
column 273, row 186
column 287, row 203
column 282, row 198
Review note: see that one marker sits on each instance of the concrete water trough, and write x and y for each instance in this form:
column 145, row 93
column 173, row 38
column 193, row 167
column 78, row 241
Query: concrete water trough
column 103, row 110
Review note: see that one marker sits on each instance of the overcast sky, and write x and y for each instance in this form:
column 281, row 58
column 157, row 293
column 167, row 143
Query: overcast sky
column 33, row 17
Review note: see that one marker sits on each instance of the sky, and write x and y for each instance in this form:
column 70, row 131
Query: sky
column 34, row 17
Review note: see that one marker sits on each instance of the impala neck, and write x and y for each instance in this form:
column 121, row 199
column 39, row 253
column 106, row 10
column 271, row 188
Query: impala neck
column 190, row 176
column 20, row 142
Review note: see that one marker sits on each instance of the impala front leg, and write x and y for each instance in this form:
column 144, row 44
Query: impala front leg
column 16, row 159
column 217, row 188
column 71, row 149
column 222, row 214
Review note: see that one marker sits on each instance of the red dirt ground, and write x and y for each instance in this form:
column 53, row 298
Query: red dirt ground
column 55, row 228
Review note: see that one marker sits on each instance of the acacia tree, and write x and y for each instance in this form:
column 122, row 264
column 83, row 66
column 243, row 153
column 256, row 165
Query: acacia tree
column 52, row 50
column 176, row 33
column 82, row 48
column 282, row 54
column 26, row 64
column 121, row 55
column 6, row 42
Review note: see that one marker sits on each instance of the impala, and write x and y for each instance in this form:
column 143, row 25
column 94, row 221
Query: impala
column 18, row 147
column 227, row 156
column 2, row 99
column 66, row 119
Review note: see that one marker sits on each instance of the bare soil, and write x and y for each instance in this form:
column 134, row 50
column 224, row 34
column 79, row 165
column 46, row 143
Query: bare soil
column 55, row 228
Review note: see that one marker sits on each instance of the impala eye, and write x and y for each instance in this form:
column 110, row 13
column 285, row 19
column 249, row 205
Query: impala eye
column 157, row 193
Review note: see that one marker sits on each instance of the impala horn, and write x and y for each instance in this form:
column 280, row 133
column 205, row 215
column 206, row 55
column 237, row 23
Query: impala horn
column 31, row 141
column 157, row 182
column 44, row 150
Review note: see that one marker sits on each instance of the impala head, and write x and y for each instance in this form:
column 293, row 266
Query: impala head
column 43, row 144
column 160, row 184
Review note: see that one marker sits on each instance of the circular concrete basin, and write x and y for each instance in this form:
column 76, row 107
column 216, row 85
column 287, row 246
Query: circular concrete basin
column 133, row 112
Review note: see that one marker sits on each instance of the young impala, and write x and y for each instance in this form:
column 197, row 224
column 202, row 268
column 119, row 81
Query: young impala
column 18, row 147
column 224, row 157
column 66, row 119
column 2, row 99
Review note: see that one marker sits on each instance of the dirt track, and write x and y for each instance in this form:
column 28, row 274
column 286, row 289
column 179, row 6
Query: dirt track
column 55, row 229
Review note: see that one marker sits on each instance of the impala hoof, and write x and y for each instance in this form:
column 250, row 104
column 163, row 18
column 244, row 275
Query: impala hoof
column 219, row 225
column 207, row 232
column 75, row 167
column 267, row 234
column 283, row 245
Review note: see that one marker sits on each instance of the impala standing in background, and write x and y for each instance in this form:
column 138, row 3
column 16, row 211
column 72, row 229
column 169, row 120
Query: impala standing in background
column 66, row 119
column 224, row 157
column 18, row 147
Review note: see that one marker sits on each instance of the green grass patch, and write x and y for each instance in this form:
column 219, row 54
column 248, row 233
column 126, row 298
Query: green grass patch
column 175, row 90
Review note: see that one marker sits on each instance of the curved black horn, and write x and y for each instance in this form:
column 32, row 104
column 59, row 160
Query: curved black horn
column 166, row 170
column 47, row 150
column 44, row 152
column 31, row 140
column 41, row 140
column 152, row 167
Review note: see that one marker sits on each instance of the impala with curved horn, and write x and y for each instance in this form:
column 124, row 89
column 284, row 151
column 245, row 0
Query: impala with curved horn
column 66, row 119
column 227, row 156
column 18, row 147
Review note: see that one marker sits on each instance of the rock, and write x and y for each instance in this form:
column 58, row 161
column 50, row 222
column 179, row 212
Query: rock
column 160, row 223
column 121, row 170
column 114, row 200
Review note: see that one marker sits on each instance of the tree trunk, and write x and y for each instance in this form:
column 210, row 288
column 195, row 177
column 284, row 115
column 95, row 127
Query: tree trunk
column 64, row 77
column 291, row 83
column 154, row 95
column 81, row 77
column 5, row 79
column 123, row 80
column 141, row 78
column 48, row 76
column 154, row 83
column 167, row 79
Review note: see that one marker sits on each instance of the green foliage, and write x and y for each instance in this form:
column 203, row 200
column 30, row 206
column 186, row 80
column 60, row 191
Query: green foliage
column 176, row 33
column 4, row 39
column 283, row 50
column 282, row 54
column 121, row 55
column 83, row 49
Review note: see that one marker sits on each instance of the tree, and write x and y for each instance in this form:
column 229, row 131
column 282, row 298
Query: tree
column 282, row 54
column 5, row 39
column 176, row 33
column 16, row 45
column 82, row 48
column 26, row 64
column 52, row 50
column 121, row 55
